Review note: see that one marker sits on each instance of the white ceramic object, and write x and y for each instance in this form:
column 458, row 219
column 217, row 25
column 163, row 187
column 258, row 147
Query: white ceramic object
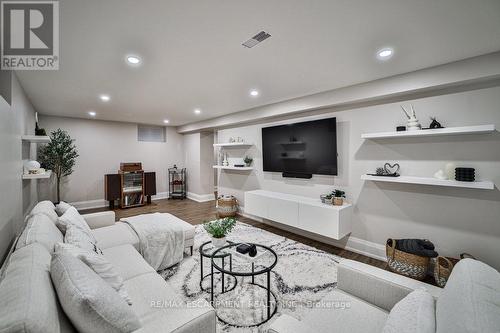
column 31, row 167
column 440, row 175
column 449, row 170
column 219, row 242
column 413, row 123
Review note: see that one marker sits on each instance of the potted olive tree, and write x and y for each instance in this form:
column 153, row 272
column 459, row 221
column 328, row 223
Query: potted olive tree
column 218, row 230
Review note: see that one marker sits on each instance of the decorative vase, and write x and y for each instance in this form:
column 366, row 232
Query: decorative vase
column 218, row 242
column 338, row 201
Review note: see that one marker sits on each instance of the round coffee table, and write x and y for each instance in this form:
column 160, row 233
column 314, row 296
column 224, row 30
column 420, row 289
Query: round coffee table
column 242, row 265
column 206, row 251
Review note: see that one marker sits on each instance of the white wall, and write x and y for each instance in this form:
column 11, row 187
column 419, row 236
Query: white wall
column 102, row 146
column 456, row 220
column 198, row 158
column 17, row 196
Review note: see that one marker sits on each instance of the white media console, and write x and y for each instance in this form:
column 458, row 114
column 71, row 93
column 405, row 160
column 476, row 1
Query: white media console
column 300, row 212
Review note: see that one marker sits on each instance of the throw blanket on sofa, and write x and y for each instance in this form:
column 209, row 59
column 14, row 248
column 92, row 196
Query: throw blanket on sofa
column 161, row 243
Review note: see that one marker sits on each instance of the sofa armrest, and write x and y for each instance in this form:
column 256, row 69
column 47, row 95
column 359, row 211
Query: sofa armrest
column 100, row 219
column 288, row 324
column 377, row 286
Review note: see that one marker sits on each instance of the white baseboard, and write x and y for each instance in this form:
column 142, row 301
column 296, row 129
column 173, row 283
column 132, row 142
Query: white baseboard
column 99, row 203
column 353, row 244
column 200, row 197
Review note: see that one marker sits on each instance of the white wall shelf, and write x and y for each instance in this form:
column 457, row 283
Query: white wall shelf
column 222, row 167
column 233, row 145
column 35, row 138
column 481, row 129
column 45, row 175
column 485, row 185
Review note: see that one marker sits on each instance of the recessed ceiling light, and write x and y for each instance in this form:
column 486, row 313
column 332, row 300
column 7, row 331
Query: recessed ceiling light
column 133, row 60
column 105, row 98
column 385, row 53
column 166, row 121
column 197, row 111
column 92, row 113
column 254, row 93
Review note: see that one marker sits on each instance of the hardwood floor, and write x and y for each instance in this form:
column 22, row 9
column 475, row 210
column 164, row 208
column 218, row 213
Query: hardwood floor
column 199, row 212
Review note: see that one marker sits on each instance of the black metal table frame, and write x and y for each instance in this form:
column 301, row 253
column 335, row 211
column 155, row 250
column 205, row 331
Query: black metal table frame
column 267, row 270
column 202, row 277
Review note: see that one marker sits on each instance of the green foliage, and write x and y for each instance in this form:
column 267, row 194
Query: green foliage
column 338, row 194
column 221, row 227
column 59, row 155
column 248, row 160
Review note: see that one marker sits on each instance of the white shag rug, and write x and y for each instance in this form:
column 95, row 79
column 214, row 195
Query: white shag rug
column 302, row 276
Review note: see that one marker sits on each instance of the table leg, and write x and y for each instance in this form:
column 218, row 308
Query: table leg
column 201, row 267
column 212, row 284
column 253, row 276
column 222, row 274
column 268, row 294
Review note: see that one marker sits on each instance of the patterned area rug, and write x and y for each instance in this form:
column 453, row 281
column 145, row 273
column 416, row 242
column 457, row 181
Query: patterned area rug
column 302, row 276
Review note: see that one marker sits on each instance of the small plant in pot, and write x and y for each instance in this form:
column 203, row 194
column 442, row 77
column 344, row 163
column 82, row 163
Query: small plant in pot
column 248, row 160
column 218, row 230
column 326, row 198
column 338, row 197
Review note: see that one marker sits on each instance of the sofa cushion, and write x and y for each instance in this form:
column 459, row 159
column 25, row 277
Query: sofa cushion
column 415, row 313
column 71, row 216
column 99, row 264
column 76, row 236
column 127, row 261
column 90, row 303
column 45, row 207
column 160, row 309
column 115, row 235
column 40, row 229
column 346, row 313
column 189, row 229
column 470, row 301
column 62, row 207
column 29, row 302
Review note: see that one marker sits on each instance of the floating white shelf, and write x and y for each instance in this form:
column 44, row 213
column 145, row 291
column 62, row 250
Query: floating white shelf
column 233, row 144
column 221, row 167
column 36, row 138
column 486, row 185
column 45, row 175
column 481, row 129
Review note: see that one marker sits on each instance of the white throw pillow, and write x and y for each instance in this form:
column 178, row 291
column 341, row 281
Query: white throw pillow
column 71, row 216
column 89, row 302
column 99, row 264
column 416, row 313
column 62, row 207
column 40, row 229
column 47, row 208
column 76, row 236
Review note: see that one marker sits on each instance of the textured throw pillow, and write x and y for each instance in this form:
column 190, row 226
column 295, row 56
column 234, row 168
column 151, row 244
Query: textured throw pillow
column 79, row 238
column 89, row 302
column 71, row 216
column 47, row 208
column 40, row 229
column 99, row 264
column 62, row 207
column 414, row 313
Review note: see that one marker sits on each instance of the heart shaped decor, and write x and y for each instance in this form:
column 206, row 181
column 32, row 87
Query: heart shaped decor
column 391, row 169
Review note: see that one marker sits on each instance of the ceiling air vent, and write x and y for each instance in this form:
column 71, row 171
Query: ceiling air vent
column 260, row 37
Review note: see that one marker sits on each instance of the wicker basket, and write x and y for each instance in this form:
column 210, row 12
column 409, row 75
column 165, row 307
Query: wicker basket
column 404, row 263
column 442, row 270
column 227, row 206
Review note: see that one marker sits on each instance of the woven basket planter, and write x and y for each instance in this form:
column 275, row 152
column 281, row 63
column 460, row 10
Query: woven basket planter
column 442, row 270
column 404, row 263
column 227, row 206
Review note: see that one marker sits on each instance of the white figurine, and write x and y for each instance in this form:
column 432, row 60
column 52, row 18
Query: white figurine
column 449, row 170
column 440, row 175
column 413, row 123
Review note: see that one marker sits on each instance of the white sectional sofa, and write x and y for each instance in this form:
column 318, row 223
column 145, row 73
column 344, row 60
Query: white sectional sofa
column 30, row 302
column 365, row 295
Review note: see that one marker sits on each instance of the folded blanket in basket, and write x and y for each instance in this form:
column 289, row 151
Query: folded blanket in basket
column 160, row 243
column 421, row 247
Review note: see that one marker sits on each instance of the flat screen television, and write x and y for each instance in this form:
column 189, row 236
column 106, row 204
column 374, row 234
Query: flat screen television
column 304, row 148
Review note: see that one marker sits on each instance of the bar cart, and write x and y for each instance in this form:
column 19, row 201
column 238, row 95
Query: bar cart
column 176, row 183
